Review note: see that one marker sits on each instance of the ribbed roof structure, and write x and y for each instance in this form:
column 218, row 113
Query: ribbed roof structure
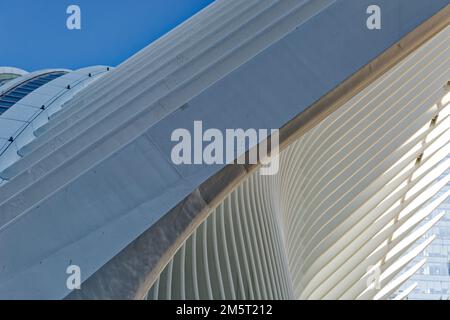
column 86, row 176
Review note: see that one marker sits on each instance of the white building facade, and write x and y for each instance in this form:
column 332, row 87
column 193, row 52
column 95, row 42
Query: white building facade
column 87, row 180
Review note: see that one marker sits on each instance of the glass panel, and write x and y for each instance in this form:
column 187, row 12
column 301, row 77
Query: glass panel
column 12, row 96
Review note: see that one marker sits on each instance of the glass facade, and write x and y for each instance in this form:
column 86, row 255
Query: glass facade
column 11, row 97
column 433, row 279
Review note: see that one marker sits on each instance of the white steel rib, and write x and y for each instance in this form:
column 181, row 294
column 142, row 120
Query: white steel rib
column 364, row 121
column 348, row 198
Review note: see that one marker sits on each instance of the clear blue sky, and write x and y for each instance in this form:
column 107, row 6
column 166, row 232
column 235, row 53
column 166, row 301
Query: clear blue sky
column 33, row 33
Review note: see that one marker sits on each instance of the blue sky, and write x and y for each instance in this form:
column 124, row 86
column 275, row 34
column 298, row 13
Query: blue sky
column 34, row 35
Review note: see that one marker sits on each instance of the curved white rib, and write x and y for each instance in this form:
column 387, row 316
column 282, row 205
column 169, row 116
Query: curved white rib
column 406, row 292
column 349, row 197
column 48, row 102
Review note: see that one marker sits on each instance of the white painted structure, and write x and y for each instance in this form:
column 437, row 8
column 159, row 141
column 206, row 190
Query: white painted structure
column 350, row 193
column 363, row 116
column 22, row 122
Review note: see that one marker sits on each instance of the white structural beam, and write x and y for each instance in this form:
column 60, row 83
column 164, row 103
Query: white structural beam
column 352, row 191
column 364, row 133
